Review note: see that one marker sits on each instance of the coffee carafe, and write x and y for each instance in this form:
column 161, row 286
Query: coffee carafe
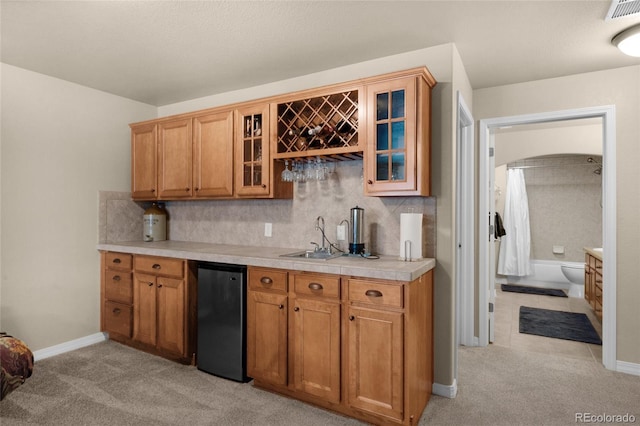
column 356, row 231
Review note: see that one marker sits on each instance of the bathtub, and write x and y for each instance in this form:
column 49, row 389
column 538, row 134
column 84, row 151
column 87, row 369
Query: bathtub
column 547, row 274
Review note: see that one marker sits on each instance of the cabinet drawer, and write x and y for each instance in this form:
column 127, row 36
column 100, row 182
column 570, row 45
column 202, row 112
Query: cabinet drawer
column 120, row 261
column 375, row 293
column 598, row 265
column 159, row 266
column 317, row 285
column 267, row 279
column 118, row 286
column 117, row 318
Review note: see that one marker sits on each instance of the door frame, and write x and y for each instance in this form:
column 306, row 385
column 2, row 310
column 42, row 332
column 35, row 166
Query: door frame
column 465, row 229
column 486, row 136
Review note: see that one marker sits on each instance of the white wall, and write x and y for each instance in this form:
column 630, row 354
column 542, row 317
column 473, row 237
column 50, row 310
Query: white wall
column 619, row 87
column 61, row 143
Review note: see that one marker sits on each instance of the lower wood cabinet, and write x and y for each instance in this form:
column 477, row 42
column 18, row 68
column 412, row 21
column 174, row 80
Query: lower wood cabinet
column 361, row 347
column 162, row 306
column 593, row 283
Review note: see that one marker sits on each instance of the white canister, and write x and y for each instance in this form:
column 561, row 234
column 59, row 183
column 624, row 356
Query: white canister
column 154, row 224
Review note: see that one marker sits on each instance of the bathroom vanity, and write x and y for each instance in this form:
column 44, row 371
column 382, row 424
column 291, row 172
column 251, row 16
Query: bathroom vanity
column 593, row 279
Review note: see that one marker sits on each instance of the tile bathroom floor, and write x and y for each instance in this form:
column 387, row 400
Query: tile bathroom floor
column 506, row 331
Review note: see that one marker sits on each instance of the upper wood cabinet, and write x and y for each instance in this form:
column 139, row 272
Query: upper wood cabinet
column 175, row 176
column 144, row 156
column 398, row 153
column 239, row 150
column 213, row 155
column 252, row 151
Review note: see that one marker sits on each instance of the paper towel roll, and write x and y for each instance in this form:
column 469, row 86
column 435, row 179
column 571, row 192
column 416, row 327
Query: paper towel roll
column 411, row 230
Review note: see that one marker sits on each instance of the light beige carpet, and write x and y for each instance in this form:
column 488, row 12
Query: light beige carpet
column 111, row 384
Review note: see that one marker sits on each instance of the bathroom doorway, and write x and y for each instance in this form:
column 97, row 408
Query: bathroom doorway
column 486, row 267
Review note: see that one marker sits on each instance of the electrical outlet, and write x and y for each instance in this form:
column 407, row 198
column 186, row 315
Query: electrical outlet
column 268, row 228
column 341, row 233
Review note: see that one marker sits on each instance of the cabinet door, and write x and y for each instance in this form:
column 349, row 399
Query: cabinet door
column 144, row 308
column 213, row 155
column 391, row 133
column 267, row 337
column 171, row 314
column 252, row 151
column 316, row 344
column 375, row 361
column 174, row 159
column 144, row 159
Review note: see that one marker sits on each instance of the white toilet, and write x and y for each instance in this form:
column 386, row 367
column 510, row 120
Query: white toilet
column 574, row 272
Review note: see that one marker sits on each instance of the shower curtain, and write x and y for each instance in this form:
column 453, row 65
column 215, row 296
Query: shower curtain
column 515, row 246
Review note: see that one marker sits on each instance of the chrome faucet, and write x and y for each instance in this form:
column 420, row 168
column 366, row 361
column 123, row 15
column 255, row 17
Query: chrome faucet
column 320, row 227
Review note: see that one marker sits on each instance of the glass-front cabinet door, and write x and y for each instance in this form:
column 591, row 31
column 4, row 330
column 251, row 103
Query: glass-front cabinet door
column 252, row 150
column 391, row 141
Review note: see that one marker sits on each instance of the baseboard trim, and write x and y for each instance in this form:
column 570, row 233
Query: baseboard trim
column 628, row 367
column 69, row 346
column 448, row 391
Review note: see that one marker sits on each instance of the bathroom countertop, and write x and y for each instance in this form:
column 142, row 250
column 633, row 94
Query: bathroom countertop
column 593, row 252
column 386, row 267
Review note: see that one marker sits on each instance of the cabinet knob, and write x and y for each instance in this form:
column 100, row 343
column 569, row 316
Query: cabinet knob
column 351, row 318
column 370, row 182
column 315, row 286
column 117, row 260
column 116, row 310
column 266, row 280
column 373, row 293
column 280, row 306
column 159, row 285
column 116, row 278
column 156, row 266
column 197, row 189
column 296, row 309
column 186, row 189
column 150, row 284
column 153, row 190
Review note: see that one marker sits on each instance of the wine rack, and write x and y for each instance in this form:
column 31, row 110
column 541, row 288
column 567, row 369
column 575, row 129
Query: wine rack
column 325, row 125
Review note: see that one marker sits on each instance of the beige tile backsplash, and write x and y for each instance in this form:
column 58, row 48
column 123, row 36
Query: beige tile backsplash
column 242, row 222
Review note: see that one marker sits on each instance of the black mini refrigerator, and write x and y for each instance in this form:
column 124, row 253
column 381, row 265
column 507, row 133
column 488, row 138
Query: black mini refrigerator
column 222, row 318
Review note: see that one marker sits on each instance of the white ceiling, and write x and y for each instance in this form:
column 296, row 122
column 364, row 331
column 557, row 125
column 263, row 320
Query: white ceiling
column 161, row 52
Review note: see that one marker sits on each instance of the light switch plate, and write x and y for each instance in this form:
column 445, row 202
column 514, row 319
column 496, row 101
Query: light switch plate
column 268, row 228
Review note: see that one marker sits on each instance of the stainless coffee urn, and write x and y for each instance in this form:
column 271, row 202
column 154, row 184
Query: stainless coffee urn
column 356, row 234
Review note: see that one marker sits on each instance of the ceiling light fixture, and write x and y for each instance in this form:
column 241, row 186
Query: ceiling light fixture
column 628, row 41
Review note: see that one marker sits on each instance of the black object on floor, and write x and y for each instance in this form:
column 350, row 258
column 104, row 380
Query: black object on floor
column 533, row 290
column 558, row 324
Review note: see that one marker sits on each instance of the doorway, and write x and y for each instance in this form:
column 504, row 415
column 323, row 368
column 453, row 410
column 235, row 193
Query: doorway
column 486, row 269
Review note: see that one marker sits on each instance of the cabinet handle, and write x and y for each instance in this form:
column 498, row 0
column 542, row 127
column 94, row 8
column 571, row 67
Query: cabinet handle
column 351, row 318
column 296, row 309
column 116, row 310
column 186, row 189
column 598, row 281
column 370, row 182
column 197, row 189
column 264, row 186
column 266, row 280
column 116, row 277
column 117, row 260
column 315, row 286
column 156, row 266
column 280, row 306
column 159, row 285
column 150, row 284
column 598, row 267
column 373, row 293
column 153, row 190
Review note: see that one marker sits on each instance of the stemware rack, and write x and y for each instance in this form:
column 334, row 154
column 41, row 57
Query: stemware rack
column 324, row 125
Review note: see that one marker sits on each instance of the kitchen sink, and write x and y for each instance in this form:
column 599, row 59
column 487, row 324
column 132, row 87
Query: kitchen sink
column 310, row 254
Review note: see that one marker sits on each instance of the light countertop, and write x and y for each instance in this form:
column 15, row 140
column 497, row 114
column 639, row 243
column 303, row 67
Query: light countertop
column 387, row 267
column 593, row 252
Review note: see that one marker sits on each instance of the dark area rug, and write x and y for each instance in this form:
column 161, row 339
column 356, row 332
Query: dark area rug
column 558, row 324
column 533, row 290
